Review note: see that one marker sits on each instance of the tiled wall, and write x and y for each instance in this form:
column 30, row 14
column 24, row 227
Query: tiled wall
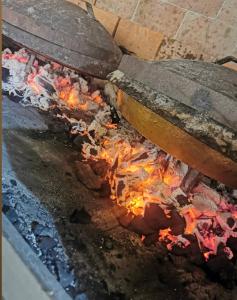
column 155, row 29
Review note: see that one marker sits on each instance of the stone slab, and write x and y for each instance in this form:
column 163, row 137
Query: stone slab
column 138, row 39
column 159, row 16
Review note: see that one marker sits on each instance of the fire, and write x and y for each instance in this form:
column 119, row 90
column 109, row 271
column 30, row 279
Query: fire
column 138, row 171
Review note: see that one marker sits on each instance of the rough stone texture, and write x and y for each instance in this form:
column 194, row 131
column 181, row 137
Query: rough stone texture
column 159, row 16
column 173, row 49
column 228, row 12
column 138, row 39
column 123, row 8
column 215, row 37
column 204, row 7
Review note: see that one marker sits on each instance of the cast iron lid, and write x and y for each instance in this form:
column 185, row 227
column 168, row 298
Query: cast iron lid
column 188, row 108
column 62, row 32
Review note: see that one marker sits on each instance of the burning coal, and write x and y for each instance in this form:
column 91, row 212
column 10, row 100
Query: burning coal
column 140, row 174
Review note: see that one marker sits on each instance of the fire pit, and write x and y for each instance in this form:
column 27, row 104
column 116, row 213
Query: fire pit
column 112, row 215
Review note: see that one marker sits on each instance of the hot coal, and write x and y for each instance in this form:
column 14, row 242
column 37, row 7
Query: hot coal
column 178, row 223
column 80, row 216
column 140, row 226
column 155, row 217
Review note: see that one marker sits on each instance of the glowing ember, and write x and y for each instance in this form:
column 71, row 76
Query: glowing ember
column 139, row 172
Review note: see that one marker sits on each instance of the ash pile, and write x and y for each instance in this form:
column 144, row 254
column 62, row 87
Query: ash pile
column 155, row 195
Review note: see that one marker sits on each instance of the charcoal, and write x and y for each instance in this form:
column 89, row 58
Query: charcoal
column 190, row 180
column 79, row 140
column 86, row 175
column 183, row 200
column 140, row 226
column 117, row 296
column 36, row 228
column 39, row 229
column 100, row 167
column 192, row 251
column 46, row 242
column 151, row 239
column 178, row 223
column 58, row 127
column 13, row 182
column 232, row 243
column 155, row 217
column 221, row 269
column 120, row 188
column 230, row 222
column 10, row 213
column 125, row 220
column 105, row 190
column 80, row 216
column 108, row 244
column 66, row 278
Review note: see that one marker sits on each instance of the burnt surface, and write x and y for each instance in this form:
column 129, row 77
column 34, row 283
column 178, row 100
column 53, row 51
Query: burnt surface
column 42, row 195
column 63, row 32
column 198, row 124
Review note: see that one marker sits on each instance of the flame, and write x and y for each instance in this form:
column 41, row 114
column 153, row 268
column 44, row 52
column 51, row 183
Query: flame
column 138, row 173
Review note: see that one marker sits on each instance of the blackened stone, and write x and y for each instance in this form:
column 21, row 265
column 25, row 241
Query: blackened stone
column 13, row 182
column 155, row 217
column 178, row 223
column 183, row 200
column 140, row 226
column 80, row 216
column 46, row 242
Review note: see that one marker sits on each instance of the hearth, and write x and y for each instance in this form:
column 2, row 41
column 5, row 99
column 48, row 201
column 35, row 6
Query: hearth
column 111, row 214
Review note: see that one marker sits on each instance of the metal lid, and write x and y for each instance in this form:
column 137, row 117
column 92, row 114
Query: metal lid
column 62, row 32
column 187, row 108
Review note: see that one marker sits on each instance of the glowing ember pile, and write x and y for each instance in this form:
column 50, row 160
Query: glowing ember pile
column 140, row 174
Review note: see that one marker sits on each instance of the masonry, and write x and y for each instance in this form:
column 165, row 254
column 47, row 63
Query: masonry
column 164, row 29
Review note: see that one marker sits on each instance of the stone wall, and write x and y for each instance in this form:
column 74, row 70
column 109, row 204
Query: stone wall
column 160, row 29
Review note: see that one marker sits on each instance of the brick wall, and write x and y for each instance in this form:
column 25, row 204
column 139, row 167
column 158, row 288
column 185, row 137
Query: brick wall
column 159, row 29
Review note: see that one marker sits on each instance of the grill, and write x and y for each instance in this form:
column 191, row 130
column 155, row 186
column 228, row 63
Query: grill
column 178, row 115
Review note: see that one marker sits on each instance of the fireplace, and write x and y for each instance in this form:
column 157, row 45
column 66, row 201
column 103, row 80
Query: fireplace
column 109, row 210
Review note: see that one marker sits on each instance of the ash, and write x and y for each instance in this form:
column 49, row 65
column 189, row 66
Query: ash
column 137, row 175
